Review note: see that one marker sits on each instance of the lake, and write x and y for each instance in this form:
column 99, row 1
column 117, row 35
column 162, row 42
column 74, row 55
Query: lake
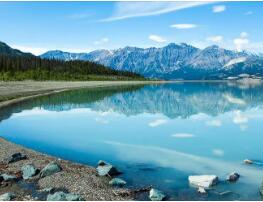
column 156, row 134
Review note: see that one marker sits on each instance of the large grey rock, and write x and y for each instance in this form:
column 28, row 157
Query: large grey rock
column 8, row 178
column 117, row 182
column 7, row 196
column 105, row 169
column 204, row 181
column 28, row 171
column 156, row 195
column 61, row 196
column 101, row 163
column 50, row 169
column 232, row 177
column 16, row 157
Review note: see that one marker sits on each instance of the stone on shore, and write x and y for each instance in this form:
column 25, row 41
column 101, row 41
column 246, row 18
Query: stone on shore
column 156, row 195
column 8, row 178
column 7, row 196
column 50, row 169
column 201, row 190
column 105, row 169
column 28, row 171
column 101, row 163
column 247, row 161
column 16, row 157
column 61, row 196
column 204, row 181
column 117, row 182
column 233, row 177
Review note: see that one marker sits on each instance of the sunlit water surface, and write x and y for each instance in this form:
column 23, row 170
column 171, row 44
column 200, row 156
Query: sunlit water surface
column 156, row 134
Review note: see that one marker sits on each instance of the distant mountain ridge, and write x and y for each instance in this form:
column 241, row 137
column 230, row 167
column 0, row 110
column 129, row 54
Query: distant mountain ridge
column 7, row 50
column 174, row 61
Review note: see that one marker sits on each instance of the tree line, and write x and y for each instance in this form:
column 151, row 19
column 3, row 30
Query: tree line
column 36, row 68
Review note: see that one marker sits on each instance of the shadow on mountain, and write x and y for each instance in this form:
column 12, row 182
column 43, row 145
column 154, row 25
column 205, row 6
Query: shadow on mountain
column 172, row 100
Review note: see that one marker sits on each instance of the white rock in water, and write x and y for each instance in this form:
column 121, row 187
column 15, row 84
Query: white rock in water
column 204, row 181
column 201, row 190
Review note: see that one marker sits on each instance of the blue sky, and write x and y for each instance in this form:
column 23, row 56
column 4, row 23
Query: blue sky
column 85, row 26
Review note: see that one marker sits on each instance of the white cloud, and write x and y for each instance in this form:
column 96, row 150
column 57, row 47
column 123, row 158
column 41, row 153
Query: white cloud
column 101, row 41
column 157, row 122
column 157, row 38
column 248, row 13
column 124, row 10
column 239, row 118
column 183, row 135
column 234, row 100
column 216, row 123
column 215, row 39
column 183, row 26
column 30, row 49
column 218, row 152
column 242, row 42
column 219, row 8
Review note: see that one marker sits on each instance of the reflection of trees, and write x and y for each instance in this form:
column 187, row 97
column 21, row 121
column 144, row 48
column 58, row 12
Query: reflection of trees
column 172, row 100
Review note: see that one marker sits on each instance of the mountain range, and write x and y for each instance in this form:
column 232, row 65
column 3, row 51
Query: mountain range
column 174, row 61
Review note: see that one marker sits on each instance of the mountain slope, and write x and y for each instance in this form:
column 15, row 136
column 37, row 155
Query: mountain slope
column 7, row 50
column 174, row 61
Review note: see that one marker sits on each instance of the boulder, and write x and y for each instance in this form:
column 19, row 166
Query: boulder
column 247, row 161
column 204, row 181
column 201, row 190
column 117, row 182
column 107, row 169
column 61, row 196
column 7, row 196
column 16, row 157
column 50, row 169
column 102, row 163
column 8, row 178
column 156, row 195
column 232, row 177
column 29, row 171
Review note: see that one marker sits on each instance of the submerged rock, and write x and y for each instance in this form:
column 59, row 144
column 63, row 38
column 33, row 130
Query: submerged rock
column 105, row 169
column 7, row 196
column 156, row 195
column 247, row 161
column 232, row 177
column 61, row 196
column 50, row 169
column 16, row 157
column 8, row 178
column 204, row 181
column 29, row 171
column 117, row 182
column 261, row 189
column 201, row 190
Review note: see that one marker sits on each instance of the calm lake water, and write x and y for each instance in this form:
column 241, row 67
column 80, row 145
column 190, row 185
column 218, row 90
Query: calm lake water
column 156, row 134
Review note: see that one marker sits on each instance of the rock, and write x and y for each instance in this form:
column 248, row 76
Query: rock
column 204, row 181
column 156, row 195
column 261, row 189
column 247, row 161
column 48, row 190
column 232, row 177
column 201, row 190
column 61, row 196
column 8, row 178
column 29, row 171
column 102, row 163
column 16, row 157
column 50, row 169
column 7, row 196
column 107, row 169
column 117, row 182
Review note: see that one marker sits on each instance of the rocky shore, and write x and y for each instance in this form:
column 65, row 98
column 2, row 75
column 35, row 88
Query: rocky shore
column 75, row 181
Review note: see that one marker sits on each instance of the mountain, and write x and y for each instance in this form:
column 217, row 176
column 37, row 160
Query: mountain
column 7, row 50
column 174, row 61
column 17, row 65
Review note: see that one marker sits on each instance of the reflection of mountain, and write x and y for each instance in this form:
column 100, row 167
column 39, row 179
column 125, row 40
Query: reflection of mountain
column 173, row 99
